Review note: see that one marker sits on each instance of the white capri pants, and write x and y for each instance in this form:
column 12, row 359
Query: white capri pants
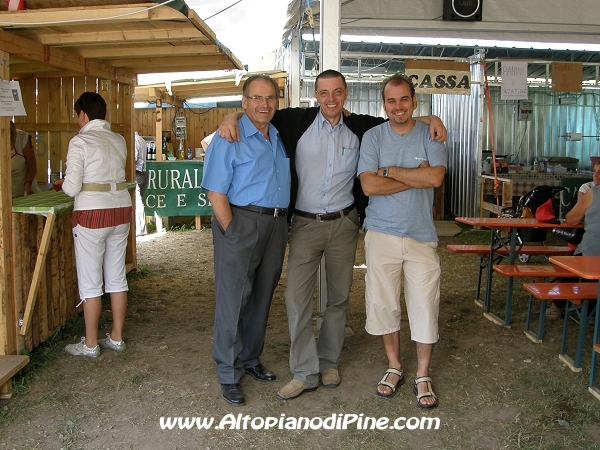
column 389, row 259
column 100, row 259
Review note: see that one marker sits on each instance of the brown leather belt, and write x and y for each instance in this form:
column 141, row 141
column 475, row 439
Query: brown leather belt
column 325, row 216
column 275, row 212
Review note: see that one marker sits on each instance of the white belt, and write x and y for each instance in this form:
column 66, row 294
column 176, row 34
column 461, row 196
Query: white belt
column 103, row 187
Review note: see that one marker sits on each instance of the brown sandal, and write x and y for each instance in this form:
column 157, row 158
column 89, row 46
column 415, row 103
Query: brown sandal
column 386, row 383
column 429, row 393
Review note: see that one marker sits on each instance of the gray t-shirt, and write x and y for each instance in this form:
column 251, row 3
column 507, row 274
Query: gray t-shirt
column 590, row 243
column 408, row 213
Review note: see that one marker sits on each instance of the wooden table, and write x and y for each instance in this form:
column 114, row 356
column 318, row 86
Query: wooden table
column 497, row 226
column 587, row 267
column 46, row 204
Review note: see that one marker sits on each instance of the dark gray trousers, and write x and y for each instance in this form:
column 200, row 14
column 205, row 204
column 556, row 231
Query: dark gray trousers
column 248, row 259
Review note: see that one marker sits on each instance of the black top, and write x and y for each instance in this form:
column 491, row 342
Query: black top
column 293, row 122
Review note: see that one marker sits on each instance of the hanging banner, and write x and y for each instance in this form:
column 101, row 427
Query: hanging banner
column 439, row 77
column 173, row 189
column 514, row 80
column 567, row 76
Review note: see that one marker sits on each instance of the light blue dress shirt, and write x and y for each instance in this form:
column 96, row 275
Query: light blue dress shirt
column 326, row 161
column 254, row 171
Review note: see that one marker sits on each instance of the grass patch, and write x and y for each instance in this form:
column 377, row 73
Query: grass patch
column 141, row 273
column 186, row 226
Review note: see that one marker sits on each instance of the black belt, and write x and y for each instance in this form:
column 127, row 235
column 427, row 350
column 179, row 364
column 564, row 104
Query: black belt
column 326, row 216
column 275, row 212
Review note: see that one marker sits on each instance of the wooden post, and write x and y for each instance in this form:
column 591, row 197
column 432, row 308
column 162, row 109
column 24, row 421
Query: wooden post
column 40, row 264
column 159, row 130
column 8, row 328
column 128, row 132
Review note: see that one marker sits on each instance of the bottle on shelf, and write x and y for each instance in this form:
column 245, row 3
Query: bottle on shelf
column 180, row 152
column 189, row 155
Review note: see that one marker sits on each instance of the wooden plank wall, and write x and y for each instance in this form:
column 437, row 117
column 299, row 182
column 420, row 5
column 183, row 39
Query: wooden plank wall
column 57, row 293
column 200, row 122
column 51, row 119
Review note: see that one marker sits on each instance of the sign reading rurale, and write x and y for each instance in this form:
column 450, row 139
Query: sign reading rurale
column 173, row 189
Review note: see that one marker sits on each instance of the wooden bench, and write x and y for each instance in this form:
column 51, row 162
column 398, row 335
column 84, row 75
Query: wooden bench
column 10, row 365
column 539, row 273
column 578, row 296
column 482, row 249
column 483, row 252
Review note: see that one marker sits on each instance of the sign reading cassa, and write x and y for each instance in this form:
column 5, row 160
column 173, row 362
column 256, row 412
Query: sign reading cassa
column 173, row 189
column 439, row 77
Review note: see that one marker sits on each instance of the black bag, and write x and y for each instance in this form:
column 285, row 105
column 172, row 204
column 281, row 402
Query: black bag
column 571, row 235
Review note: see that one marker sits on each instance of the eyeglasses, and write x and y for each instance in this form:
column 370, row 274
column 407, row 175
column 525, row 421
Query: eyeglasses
column 335, row 92
column 260, row 98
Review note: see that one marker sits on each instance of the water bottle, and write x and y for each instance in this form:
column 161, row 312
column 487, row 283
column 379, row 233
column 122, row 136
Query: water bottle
column 189, row 153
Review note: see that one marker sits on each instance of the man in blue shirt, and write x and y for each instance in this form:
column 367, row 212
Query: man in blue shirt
column 248, row 185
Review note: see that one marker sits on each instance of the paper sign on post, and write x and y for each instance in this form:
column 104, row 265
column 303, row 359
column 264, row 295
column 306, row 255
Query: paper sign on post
column 514, row 80
column 11, row 102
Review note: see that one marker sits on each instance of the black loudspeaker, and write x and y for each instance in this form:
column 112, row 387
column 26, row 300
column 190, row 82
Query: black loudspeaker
column 467, row 10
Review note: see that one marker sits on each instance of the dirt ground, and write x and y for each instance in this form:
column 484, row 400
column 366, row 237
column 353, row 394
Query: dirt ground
column 496, row 388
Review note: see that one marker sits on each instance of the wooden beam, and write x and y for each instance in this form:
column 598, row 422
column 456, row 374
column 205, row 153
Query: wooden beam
column 8, row 330
column 90, row 15
column 59, row 59
column 149, row 65
column 115, row 36
column 9, row 366
column 40, row 264
column 139, row 51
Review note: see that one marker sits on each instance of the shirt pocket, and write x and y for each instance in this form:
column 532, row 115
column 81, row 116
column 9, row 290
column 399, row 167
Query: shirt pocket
column 349, row 159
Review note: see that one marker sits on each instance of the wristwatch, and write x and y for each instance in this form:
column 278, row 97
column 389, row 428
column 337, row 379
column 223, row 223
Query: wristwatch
column 385, row 171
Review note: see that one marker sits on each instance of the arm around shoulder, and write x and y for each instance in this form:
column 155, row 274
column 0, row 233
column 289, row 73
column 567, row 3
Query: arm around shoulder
column 437, row 130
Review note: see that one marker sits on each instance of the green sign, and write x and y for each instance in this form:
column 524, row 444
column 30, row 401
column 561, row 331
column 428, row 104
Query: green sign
column 173, row 189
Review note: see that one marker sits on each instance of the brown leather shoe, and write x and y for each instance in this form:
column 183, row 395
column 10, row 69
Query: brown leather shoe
column 330, row 378
column 293, row 389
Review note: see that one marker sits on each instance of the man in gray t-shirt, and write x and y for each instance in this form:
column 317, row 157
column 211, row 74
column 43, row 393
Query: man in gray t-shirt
column 399, row 166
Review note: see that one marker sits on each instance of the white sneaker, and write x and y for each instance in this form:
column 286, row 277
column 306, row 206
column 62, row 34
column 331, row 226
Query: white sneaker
column 117, row 346
column 80, row 349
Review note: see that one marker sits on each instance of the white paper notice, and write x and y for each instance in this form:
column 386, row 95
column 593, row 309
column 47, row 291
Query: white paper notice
column 11, row 102
column 514, row 80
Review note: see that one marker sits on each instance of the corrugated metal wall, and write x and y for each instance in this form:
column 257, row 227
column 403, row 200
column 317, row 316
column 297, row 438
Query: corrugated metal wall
column 460, row 114
column 544, row 133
